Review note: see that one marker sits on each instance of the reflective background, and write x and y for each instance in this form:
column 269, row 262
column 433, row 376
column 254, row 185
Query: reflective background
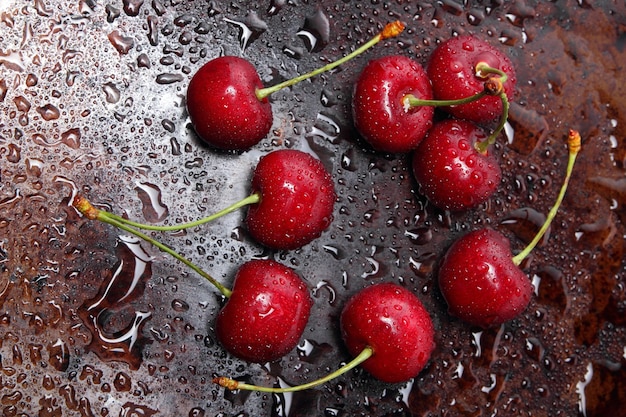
column 92, row 100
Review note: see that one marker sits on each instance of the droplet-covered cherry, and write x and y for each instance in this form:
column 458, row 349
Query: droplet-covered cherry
column 387, row 330
column 393, row 322
column 380, row 109
column 452, row 69
column 223, row 106
column 452, row 173
column 266, row 313
column 479, row 281
column 297, row 196
column 228, row 105
column 480, row 278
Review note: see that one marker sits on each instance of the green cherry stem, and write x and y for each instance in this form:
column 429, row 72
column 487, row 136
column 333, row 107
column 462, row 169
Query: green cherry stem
column 493, row 86
column 573, row 144
column 251, row 199
column 232, row 384
column 391, row 30
column 92, row 213
column 483, row 145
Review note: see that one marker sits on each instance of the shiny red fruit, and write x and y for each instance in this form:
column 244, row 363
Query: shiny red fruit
column 224, row 109
column 452, row 71
column 451, row 172
column 394, row 323
column 266, row 313
column 379, row 110
column 480, row 282
column 297, row 200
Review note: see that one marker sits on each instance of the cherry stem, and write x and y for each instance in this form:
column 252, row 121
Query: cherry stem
column 483, row 70
column 232, row 384
column 573, row 144
column 391, row 30
column 251, row 199
column 92, row 213
column 483, row 145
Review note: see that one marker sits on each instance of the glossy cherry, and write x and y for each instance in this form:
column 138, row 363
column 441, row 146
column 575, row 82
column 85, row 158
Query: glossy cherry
column 266, row 311
column 380, row 110
column 266, row 314
column 393, row 322
column 453, row 173
column 387, row 330
column 480, row 282
column 453, row 72
column 479, row 277
column 228, row 105
column 297, row 197
column 223, row 106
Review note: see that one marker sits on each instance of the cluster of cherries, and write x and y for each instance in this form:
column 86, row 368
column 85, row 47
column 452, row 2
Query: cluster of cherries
column 385, row 327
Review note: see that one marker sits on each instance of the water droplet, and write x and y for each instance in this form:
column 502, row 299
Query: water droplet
column 316, row 31
column 49, row 112
column 111, row 92
column 71, row 138
column 250, row 29
column 132, row 7
column 124, row 284
column 123, row 44
column 153, row 208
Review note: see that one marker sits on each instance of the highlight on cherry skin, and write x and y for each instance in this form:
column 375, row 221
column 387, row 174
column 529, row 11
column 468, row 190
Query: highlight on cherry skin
column 265, row 312
column 451, row 170
column 228, row 106
column 479, row 277
column 455, row 71
column 387, row 330
column 393, row 104
column 290, row 204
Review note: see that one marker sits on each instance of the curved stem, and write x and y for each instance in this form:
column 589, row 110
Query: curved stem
column 85, row 207
column 231, row 384
column 573, row 143
column 390, row 30
column 251, row 199
column 483, row 145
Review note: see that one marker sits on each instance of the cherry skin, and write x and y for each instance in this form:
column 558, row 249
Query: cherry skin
column 451, row 172
column 296, row 203
column 394, row 323
column 452, row 71
column 480, row 282
column 380, row 112
column 266, row 313
column 223, row 107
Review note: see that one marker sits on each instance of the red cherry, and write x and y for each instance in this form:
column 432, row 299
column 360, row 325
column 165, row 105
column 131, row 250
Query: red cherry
column 451, row 172
column 381, row 114
column 452, row 71
column 297, row 197
column 266, row 313
column 480, row 282
column 228, row 104
column 479, row 277
column 223, row 106
column 392, row 321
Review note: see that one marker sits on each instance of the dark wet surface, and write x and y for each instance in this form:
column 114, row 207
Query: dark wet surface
column 92, row 100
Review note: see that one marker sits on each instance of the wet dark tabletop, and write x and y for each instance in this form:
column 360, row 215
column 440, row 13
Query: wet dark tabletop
column 92, row 100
